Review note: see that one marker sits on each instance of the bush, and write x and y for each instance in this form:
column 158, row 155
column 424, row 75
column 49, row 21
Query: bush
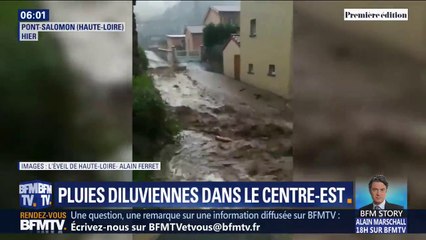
column 150, row 117
column 217, row 34
column 148, row 108
column 152, row 126
column 215, row 37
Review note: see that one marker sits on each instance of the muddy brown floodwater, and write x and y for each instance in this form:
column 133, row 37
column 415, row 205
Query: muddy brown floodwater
column 359, row 110
column 231, row 131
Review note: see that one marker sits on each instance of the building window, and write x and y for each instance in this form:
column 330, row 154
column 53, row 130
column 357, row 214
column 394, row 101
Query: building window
column 253, row 28
column 250, row 68
column 271, row 71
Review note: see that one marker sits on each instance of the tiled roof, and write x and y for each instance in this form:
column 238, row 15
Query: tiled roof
column 226, row 8
column 195, row 29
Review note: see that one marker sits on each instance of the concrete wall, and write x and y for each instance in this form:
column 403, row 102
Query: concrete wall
column 408, row 36
column 177, row 42
column 224, row 17
column 272, row 44
column 230, row 18
column 228, row 58
column 188, row 41
column 197, row 41
column 193, row 41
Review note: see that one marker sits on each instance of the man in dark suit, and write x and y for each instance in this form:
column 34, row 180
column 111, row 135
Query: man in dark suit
column 378, row 187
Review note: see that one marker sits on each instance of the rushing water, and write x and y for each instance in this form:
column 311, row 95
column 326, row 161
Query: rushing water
column 223, row 138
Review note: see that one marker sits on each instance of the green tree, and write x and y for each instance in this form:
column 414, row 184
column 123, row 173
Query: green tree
column 152, row 125
column 215, row 37
column 217, row 34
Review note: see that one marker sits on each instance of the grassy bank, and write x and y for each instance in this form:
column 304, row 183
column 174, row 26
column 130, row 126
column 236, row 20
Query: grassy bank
column 152, row 126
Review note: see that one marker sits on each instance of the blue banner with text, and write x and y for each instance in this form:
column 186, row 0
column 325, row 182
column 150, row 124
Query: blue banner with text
column 205, row 221
column 204, row 194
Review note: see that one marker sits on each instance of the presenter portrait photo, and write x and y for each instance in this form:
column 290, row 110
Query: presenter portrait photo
column 378, row 188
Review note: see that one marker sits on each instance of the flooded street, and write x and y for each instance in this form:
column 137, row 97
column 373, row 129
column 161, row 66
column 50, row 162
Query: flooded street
column 230, row 131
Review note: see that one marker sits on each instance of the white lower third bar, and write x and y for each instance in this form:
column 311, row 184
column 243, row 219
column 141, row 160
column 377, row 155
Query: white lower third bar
column 375, row 14
column 25, row 36
column 89, row 166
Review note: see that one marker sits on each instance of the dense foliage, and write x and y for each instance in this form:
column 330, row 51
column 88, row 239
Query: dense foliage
column 215, row 37
column 149, row 111
column 217, row 34
column 152, row 125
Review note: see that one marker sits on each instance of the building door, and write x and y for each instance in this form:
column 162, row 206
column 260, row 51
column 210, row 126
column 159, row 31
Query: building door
column 237, row 67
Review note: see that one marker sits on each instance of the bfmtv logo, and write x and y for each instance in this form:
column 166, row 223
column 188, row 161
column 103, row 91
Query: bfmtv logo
column 35, row 194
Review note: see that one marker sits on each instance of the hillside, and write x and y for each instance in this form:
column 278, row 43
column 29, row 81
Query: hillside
column 174, row 19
